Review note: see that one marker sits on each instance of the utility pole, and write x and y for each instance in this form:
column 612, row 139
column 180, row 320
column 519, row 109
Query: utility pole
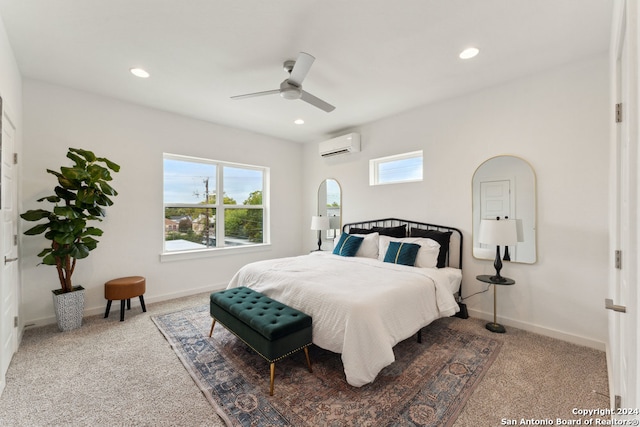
column 206, row 212
column 196, row 193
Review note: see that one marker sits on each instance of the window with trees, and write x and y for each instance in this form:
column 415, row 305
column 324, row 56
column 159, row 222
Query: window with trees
column 211, row 204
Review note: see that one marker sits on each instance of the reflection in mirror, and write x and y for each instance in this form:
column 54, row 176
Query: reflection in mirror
column 330, row 204
column 505, row 187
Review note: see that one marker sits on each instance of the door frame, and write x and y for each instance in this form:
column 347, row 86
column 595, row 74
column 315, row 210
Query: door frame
column 9, row 292
column 623, row 350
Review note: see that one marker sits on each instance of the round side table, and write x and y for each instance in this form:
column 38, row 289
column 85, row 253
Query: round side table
column 495, row 326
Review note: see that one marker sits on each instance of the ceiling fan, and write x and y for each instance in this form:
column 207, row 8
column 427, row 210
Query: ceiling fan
column 291, row 88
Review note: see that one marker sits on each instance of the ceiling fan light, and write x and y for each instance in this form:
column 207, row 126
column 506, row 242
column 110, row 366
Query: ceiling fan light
column 290, row 93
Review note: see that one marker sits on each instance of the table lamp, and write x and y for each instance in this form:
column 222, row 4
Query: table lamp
column 500, row 233
column 320, row 223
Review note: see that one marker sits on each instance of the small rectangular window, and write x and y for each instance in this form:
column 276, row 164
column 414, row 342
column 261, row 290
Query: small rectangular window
column 405, row 167
column 211, row 204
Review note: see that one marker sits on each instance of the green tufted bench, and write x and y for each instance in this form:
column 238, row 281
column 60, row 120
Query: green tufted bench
column 270, row 328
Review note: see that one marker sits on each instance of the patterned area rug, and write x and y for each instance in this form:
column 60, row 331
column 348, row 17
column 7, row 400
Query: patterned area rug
column 427, row 385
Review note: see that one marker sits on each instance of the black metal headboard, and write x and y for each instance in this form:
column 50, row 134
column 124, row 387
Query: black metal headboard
column 454, row 257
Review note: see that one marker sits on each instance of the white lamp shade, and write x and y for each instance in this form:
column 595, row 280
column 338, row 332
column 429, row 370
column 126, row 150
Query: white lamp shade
column 502, row 232
column 319, row 222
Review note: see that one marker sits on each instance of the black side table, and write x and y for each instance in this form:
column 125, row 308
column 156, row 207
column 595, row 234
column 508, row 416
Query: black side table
column 495, row 326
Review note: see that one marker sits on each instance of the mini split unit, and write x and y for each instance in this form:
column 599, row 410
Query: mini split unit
column 349, row 143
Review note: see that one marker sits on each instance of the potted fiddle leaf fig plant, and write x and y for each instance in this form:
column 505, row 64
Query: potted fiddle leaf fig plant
column 80, row 197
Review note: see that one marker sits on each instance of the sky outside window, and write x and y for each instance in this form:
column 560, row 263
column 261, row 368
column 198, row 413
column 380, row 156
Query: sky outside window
column 400, row 170
column 184, row 181
column 406, row 167
column 239, row 183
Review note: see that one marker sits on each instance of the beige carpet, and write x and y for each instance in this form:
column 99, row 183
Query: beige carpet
column 125, row 373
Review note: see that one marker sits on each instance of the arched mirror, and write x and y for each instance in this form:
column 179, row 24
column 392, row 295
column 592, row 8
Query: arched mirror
column 505, row 187
column 330, row 205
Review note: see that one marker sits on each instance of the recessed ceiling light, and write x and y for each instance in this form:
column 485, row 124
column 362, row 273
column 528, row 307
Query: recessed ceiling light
column 469, row 53
column 298, row 121
column 139, row 72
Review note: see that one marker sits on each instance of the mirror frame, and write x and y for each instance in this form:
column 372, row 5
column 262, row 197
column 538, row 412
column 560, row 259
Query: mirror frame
column 529, row 225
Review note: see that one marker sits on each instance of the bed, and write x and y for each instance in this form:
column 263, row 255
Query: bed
column 361, row 305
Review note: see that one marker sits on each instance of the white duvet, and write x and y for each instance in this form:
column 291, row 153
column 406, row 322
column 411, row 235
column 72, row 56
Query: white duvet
column 360, row 307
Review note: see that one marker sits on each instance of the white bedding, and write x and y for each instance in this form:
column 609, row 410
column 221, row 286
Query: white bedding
column 361, row 307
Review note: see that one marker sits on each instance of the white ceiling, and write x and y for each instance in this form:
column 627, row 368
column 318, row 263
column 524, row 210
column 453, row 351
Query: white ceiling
column 374, row 58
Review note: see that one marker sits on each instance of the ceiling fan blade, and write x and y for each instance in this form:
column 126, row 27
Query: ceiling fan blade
column 251, row 95
column 317, row 102
column 300, row 70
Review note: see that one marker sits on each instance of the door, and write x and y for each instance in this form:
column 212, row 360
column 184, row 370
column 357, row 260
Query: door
column 495, row 199
column 496, row 202
column 622, row 298
column 8, row 244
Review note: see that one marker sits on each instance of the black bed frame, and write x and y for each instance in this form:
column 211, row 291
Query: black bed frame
column 454, row 257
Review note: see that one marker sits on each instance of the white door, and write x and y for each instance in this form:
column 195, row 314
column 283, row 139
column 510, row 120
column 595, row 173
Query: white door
column 8, row 245
column 496, row 202
column 495, row 199
column 622, row 298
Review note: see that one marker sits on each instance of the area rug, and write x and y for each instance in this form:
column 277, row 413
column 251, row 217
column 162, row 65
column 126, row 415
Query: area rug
column 427, row 385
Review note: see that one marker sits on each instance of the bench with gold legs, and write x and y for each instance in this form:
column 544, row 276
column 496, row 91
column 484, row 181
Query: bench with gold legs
column 270, row 328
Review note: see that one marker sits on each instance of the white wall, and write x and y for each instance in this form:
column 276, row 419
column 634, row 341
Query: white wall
column 558, row 122
column 135, row 137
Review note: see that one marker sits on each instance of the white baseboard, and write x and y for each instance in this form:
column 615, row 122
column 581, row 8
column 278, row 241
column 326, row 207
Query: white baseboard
column 541, row 330
column 135, row 302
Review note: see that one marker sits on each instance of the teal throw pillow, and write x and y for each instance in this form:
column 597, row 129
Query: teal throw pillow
column 348, row 245
column 402, row 253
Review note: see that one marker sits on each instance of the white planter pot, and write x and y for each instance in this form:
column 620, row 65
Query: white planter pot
column 69, row 308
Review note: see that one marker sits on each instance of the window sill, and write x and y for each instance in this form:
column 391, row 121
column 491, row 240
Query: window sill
column 212, row 253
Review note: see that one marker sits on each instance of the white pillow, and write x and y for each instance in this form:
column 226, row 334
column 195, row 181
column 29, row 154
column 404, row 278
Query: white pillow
column 369, row 246
column 427, row 255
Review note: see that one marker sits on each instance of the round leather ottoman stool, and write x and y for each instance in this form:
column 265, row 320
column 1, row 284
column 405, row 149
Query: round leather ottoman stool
column 124, row 289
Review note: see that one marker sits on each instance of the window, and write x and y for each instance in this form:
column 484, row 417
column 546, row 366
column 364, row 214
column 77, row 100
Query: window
column 210, row 204
column 399, row 168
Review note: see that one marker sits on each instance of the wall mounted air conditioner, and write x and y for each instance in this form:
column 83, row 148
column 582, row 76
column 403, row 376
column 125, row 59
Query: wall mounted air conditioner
column 349, row 143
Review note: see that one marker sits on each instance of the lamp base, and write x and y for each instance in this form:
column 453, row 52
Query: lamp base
column 497, row 279
column 496, row 327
